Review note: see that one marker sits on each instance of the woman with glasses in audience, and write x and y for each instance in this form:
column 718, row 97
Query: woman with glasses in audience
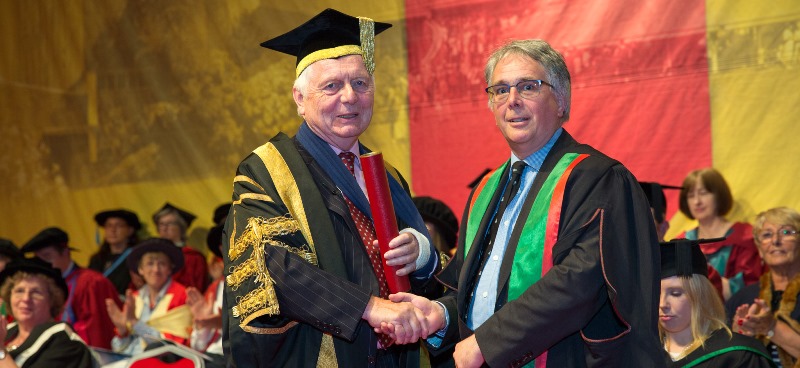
column 706, row 197
column 769, row 310
column 35, row 293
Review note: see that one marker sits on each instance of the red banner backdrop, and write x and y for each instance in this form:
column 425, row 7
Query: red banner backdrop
column 639, row 85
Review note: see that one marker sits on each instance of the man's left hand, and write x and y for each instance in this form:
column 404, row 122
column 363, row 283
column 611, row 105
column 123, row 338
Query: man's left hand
column 404, row 251
column 468, row 353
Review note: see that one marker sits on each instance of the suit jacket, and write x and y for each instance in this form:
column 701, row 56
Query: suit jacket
column 597, row 306
column 292, row 229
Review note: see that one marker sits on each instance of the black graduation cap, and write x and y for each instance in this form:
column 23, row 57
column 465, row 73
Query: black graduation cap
column 221, row 212
column 155, row 245
column 655, row 195
column 329, row 35
column 51, row 236
column 437, row 212
column 683, row 257
column 214, row 239
column 129, row 217
column 9, row 249
column 186, row 216
column 35, row 266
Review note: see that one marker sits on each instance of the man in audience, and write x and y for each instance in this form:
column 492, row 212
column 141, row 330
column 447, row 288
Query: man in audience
column 119, row 228
column 85, row 308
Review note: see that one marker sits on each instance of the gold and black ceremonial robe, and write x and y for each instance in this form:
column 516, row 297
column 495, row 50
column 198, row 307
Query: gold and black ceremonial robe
column 297, row 275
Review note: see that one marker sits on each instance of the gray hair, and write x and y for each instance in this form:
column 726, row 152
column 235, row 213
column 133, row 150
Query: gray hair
column 170, row 211
column 550, row 59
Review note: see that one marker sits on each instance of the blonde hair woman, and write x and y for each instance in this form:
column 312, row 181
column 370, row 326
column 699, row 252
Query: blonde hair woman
column 692, row 317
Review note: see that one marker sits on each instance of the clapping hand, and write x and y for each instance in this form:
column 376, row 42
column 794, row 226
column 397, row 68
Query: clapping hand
column 753, row 319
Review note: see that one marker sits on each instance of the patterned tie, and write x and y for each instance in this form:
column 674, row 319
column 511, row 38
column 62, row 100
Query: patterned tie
column 508, row 194
column 367, row 233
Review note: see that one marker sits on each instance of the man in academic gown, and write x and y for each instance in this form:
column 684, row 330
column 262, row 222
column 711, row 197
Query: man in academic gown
column 304, row 286
column 557, row 260
column 85, row 308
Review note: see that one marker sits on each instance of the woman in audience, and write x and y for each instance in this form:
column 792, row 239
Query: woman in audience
column 769, row 309
column 119, row 230
column 157, row 310
column 36, row 293
column 691, row 315
column 172, row 223
column 706, row 197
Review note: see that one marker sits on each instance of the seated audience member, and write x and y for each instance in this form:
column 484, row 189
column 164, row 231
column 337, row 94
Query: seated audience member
column 441, row 223
column 692, row 317
column 769, row 309
column 157, row 310
column 8, row 252
column 85, row 307
column 119, row 230
column 216, row 265
column 706, row 197
column 172, row 223
column 35, row 293
column 207, row 310
column 658, row 205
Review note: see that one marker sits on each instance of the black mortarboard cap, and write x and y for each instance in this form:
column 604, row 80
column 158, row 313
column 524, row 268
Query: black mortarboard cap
column 126, row 215
column 329, row 35
column 51, row 236
column 9, row 249
column 188, row 217
column 655, row 195
column 683, row 257
column 214, row 239
column 221, row 212
column 35, row 266
column 438, row 213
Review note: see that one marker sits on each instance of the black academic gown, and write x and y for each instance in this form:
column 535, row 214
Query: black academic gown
column 748, row 353
column 49, row 345
column 320, row 278
column 597, row 306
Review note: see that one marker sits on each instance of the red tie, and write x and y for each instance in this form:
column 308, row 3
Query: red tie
column 367, row 232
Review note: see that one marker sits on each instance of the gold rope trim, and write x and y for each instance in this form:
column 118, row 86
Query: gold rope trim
column 323, row 54
column 248, row 180
column 366, row 29
column 270, row 330
column 258, row 231
column 262, row 299
column 241, row 273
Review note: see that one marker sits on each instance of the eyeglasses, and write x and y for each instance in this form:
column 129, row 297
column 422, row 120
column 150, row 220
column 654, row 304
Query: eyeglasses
column 528, row 89
column 783, row 233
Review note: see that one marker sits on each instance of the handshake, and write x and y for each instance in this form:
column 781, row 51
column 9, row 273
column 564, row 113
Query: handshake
column 405, row 317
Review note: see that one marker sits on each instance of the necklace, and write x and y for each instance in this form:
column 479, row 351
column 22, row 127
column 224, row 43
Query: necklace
column 681, row 354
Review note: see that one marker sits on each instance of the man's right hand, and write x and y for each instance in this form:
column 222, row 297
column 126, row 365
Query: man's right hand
column 434, row 318
column 408, row 321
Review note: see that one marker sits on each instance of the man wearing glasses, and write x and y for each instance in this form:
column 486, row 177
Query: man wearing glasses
column 558, row 258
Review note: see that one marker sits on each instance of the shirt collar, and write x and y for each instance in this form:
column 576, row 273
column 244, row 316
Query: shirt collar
column 536, row 159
